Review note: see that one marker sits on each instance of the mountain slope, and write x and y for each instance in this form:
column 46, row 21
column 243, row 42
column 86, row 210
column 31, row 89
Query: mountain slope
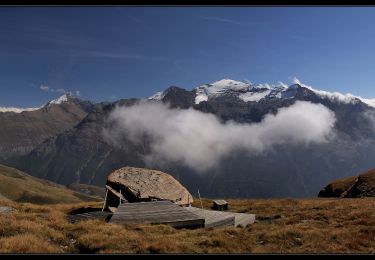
column 22, row 132
column 21, row 187
column 80, row 154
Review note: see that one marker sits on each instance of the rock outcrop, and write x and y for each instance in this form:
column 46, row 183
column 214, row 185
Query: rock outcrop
column 138, row 184
column 352, row 187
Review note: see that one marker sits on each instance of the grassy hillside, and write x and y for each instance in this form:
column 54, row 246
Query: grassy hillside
column 282, row 226
column 359, row 186
column 88, row 189
column 338, row 188
column 21, row 187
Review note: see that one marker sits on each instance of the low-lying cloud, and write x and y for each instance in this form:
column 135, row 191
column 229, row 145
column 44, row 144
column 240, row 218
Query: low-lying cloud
column 200, row 140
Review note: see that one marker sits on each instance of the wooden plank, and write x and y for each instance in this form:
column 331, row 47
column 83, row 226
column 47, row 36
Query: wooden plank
column 158, row 212
column 221, row 218
column 214, row 218
column 118, row 194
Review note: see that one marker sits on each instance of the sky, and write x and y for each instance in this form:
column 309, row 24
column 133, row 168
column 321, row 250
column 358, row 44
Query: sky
column 109, row 53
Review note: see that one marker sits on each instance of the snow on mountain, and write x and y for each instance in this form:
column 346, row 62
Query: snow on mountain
column 223, row 85
column 254, row 96
column 60, row 100
column 157, row 96
column 369, row 102
column 220, row 87
column 338, row 97
column 254, row 93
column 17, row 110
column 245, row 91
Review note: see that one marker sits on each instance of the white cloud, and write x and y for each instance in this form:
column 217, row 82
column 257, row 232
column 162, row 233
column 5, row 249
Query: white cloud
column 247, row 81
column 46, row 88
column 336, row 96
column 60, row 90
column 200, row 141
column 296, row 81
column 282, row 84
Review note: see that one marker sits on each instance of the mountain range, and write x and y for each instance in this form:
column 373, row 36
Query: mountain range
column 63, row 141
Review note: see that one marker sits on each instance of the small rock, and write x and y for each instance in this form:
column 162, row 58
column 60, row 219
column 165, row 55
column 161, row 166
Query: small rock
column 6, row 210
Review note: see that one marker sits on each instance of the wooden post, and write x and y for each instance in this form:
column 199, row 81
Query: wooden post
column 200, row 199
column 105, row 199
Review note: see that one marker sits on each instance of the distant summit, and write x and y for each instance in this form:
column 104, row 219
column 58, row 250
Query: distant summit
column 23, row 129
column 249, row 92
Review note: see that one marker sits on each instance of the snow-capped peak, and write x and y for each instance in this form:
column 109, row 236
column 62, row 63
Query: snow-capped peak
column 157, row 96
column 219, row 87
column 245, row 91
column 225, row 84
column 249, row 92
column 57, row 101
column 60, row 100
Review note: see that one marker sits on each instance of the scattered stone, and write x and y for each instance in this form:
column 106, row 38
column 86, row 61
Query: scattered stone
column 5, row 210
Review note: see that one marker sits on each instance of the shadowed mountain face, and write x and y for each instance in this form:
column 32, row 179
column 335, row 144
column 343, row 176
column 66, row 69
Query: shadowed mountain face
column 21, row 132
column 81, row 154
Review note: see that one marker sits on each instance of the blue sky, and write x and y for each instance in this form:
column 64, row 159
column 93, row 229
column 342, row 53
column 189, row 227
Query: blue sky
column 108, row 53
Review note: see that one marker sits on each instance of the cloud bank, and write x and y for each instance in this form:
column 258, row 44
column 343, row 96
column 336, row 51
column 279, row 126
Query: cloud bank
column 200, row 140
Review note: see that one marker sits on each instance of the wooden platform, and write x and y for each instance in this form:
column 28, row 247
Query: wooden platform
column 213, row 218
column 157, row 212
column 220, row 218
column 243, row 219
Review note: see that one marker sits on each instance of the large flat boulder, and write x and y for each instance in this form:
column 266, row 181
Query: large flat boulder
column 139, row 184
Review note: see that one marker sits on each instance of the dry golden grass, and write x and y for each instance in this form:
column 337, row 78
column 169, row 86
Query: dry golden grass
column 282, row 226
column 19, row 186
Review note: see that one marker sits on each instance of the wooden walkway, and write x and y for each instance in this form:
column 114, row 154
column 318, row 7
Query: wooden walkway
column 223, row 218
column 157, row 212
column 213, row 218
